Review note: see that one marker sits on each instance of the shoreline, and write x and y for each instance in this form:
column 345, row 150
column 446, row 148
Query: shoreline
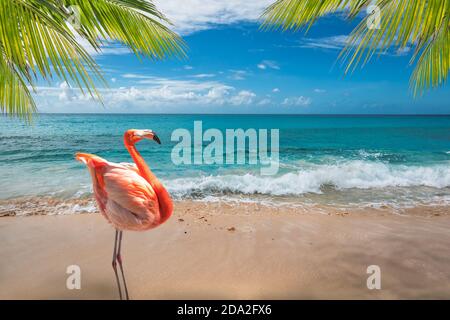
column 47, row 205
column 223, row 251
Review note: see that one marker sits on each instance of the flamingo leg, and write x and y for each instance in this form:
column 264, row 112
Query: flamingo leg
column 114, row 263
column 119, row 259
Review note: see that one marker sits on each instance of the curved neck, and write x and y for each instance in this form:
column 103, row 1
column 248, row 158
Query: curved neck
column 164, row 200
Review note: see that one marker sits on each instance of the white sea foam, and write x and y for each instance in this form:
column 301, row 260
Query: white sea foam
column 344, row 182
column 353, row 174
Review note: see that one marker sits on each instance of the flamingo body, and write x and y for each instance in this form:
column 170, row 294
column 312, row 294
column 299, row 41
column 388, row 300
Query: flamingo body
column 124, row 197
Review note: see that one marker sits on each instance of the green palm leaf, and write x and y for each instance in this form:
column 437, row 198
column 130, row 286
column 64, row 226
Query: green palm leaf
column 14, row 92
column 36, row 40
column 420, row 25
column 136, row 23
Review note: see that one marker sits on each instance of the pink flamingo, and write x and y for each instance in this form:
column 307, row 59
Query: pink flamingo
column 128, row 195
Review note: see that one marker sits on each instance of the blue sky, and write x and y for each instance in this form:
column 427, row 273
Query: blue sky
column 233, row 67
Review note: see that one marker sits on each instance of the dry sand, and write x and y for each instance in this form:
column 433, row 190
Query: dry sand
column 223, row 251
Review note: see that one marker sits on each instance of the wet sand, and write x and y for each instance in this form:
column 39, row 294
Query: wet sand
column 224, row 251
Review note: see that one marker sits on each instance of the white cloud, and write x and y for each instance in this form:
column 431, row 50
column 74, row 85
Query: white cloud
column 113, row 80
column 339, row 42
column 244, row 97
column 265, row 64
column 148, row 94
column 297, row 101
column 264, row 102
column 189, row 16
column 136, row 76
column 403, row 51
column 175, row 92
column 261, row 66
column 275, row 90
column 203, row 75
column 66, row 93
column 188, row 67
column 334, row 43
column 317, row 90
column 238, row 74
column 179, row 85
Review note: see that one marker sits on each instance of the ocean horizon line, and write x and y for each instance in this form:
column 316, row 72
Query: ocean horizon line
column 261, row 114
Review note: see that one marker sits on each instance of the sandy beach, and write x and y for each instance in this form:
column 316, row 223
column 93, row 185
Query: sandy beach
column 225, row 251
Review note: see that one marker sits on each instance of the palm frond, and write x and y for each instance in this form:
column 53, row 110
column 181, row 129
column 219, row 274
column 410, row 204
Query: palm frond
column 433, row 64
column 37, row 40
column 420, row 25
column 136, row 23
column 297, row 14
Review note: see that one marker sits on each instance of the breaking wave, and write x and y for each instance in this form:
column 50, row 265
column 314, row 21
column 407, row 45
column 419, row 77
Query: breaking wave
column 353, row 174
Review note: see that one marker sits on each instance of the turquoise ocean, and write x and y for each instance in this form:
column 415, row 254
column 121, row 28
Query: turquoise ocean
column 343, row 161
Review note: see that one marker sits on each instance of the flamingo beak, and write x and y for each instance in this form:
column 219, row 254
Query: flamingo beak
column 151, row 135
column 156, row 138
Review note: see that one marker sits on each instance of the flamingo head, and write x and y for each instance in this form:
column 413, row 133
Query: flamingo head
column 134, row 135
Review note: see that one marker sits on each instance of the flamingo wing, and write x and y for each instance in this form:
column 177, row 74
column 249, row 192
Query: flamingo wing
column 131, row 166
column 131, row 204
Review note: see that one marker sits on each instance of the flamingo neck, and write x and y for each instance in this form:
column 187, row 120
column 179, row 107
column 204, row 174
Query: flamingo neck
column 164, row 200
